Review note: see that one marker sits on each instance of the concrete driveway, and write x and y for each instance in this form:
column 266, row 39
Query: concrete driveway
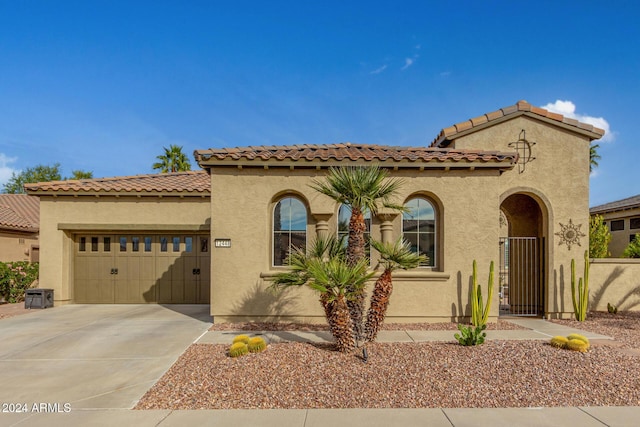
column 93, row 356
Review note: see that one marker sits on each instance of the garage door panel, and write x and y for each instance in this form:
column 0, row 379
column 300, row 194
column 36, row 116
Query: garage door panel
column 164, row 268
column 93, row 272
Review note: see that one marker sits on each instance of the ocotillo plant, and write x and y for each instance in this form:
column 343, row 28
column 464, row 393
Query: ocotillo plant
column 581, row 299
column 479, row 311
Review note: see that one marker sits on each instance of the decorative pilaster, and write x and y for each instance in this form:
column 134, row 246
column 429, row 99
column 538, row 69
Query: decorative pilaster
column 322, row 225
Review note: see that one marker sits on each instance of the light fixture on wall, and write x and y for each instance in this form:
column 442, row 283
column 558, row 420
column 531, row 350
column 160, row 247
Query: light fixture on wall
column 523, row 148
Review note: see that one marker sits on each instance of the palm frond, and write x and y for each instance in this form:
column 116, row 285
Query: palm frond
column 398, row 254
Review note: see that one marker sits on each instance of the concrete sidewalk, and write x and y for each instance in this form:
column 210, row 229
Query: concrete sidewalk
column 626, row 416
column 537, row 329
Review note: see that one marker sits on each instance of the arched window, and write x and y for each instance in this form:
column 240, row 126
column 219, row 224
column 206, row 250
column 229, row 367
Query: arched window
column 289, row 228
column 419, row 228
column 344, row 215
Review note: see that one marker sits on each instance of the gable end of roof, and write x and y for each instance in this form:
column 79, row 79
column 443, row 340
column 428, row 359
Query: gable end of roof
column 448, row 134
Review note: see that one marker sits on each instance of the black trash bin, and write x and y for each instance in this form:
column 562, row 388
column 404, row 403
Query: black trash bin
column 38, row 298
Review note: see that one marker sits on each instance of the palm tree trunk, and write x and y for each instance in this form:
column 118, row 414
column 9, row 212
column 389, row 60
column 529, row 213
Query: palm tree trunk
column 343, row 331
column 329, row 309
column 357, row 228
column 379, row 304
column 356, row 252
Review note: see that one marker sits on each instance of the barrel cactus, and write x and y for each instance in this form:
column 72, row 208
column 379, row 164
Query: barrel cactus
column 256, row 345
column 238, row 349
column 241, row 338
column 559, row 342
column 575, row 342
column 577, row 345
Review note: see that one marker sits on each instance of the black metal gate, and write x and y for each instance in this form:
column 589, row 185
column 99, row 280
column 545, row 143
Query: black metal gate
column 521, row 290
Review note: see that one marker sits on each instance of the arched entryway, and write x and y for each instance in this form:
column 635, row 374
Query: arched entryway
column 522, row 252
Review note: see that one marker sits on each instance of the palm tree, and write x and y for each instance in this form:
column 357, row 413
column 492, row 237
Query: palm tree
column 392, row 257
column 324, row 269
column 361, row 188
column 173, row 160
column 593, row 157
column 338, row 283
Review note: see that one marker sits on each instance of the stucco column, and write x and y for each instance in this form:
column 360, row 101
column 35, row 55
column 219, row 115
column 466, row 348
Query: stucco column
column 322, row 225
column 386, row 226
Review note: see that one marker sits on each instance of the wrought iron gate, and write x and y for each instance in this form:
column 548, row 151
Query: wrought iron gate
column 521, row 290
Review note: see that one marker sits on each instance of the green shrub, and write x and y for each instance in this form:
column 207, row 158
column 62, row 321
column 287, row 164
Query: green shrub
column 633, row 250
column 256, row 345
column 15, row 278
column 599, row 237
column 471, row 336
column 238, row 349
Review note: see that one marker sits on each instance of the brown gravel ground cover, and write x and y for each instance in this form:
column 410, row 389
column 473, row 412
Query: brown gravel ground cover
column 409, row 375
column 13, row 309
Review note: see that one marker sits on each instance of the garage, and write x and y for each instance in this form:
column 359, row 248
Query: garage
column 163, row 268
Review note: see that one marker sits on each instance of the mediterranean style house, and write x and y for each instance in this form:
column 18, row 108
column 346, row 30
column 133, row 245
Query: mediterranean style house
column 19, row 228
column 510, row 186
column 623, row 219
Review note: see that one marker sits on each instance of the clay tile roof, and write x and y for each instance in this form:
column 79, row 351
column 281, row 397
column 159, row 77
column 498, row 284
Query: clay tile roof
column 521, row 107
column 19, row 212
column 178, row 183
column 349, row 151
column 618, row 205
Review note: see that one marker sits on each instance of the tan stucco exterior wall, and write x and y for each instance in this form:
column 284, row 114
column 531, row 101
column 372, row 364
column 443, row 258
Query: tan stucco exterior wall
column 16, row 246
column 468, row 211
column 61, row 217
column 614, row 281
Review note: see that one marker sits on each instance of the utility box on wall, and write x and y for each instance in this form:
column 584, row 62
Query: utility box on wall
column 38, row 298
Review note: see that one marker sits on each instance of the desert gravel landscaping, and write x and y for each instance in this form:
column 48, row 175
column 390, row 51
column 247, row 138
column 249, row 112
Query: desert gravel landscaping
column 409, row 375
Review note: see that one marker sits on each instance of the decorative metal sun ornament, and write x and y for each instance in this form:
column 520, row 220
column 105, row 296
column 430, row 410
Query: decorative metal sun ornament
column 523, row 148
column 570, row 234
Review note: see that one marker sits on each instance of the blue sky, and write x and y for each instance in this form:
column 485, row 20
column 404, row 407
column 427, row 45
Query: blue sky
column 104, row 85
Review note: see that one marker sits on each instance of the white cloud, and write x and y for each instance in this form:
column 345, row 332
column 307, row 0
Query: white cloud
column 379, row 70
column 5, row 170
column 568, row 109
column 408, row 62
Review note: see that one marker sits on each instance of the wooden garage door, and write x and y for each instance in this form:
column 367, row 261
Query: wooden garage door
column 142, row 268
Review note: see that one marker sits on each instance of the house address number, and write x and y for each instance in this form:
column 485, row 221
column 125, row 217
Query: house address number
column 222, row 243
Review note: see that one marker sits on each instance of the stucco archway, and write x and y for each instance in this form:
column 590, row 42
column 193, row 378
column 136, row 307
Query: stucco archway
column 522, row 255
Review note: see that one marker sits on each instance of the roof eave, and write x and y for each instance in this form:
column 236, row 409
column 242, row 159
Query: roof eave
column 507, row 163
column 161, row 194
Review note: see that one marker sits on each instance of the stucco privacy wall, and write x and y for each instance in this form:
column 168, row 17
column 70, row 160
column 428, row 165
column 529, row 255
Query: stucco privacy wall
column 615, row 281
column 62, row 216
column 468, row 203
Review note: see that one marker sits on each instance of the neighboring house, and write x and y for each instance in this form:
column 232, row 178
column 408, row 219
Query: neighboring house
column 510, row 186
column 19, row 227
column 623, row 219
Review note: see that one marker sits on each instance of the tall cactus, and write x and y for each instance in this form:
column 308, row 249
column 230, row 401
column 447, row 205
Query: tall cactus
column 480, row 312
column 581, row 298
